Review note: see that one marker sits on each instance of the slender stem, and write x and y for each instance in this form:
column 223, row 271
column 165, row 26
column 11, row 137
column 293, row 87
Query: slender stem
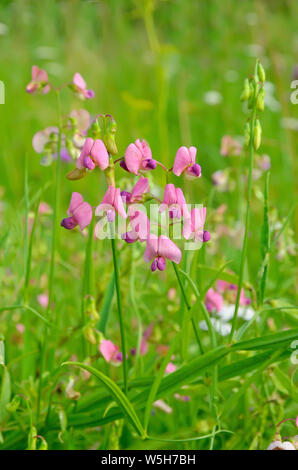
column 117, row 284
column 87, row 284
column 194, row 325
column 53, row 251
column 244, row 246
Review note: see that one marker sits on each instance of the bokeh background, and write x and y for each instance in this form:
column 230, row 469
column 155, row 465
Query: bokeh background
column 170, row 72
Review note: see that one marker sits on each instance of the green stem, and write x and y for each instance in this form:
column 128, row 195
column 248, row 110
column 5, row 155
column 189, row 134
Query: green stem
column 117, row 284
column 53, row 252
column 194, row 325
column 244, row 246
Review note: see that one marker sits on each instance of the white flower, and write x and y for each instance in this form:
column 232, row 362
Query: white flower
column 278, row 445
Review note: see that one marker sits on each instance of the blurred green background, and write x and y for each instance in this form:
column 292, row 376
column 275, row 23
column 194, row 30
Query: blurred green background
column 170, row 72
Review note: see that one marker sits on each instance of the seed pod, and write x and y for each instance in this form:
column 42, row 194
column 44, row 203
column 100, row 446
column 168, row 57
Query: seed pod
column 261, row 72
column 260, row 100
column 246, row 135
column 246, row 91
column 95, row 130
column 89, row 334
column 257, row 134
column 109, row 141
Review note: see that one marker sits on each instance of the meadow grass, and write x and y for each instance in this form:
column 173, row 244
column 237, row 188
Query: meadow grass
column 171, row 72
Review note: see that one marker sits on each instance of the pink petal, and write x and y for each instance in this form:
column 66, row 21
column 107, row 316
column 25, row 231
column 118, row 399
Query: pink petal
column 170, row 368
column 133, row 158
column 99, row 154
column 34, row 72
column 76, row 200
column 170, row 196
column 83, row 215
column 108, row 350
column 198, row 216
column 83, row 118
column 151, row 250
column 107, row 202
column 144, row 148
column 118, row 204
column 192, row 153
column 79, row 81
column 42, row 137
column 139, row 223
column 141, row 187
column 214, row 299
column 86, row 150
column 181, row 202
column 182, row 161
column 168, row 249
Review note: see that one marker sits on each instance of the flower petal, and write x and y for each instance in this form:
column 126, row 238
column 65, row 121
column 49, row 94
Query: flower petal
column 76, row 200
column 85, row 152
column 83, row 215
column 151, row 248
column 133, row 158
column 182, row 160
column 168, row 249
column 141, row 187
column 79, row 81
column 99, row 154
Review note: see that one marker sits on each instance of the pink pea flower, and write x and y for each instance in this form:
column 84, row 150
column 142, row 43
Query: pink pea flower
column 138, row 157
column 111, row 204
column 39, row 82
column 42, row 143
column 140, row 226
column 80, row 87
column 213, row 300
column 230, row 146
column 160, row 249
column 170, row 368
column 185, row 162
column 80, row 213
column 144, row 343
column 174, row 200
column 140, row 188
column 43, row 300
column 110, row 351
column 94, row 153
column 194, row 226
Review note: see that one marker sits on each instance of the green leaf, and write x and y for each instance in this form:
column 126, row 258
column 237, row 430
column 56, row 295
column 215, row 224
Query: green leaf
column 117, row 393
column 273, row 341
column 5, row 393
column 106, row 305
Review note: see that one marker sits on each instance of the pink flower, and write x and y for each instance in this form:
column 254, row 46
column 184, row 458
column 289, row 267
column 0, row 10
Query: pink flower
column 138, row 156
column 94, row 153
column 39, row 82
column 185, row 161
column 80, row 87
column 194, row 226
column 144, row 343
column 140, row 225
column 111, row 204
column 140, row 188
column 170, row 368
column 213, row 300
column 43, row 300
column 80, row 213
column 230, row 146
column 160, row 249
column 110, row 351
column 174, row 200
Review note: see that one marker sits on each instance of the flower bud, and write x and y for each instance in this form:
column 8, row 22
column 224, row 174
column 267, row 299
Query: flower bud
column 261, row 72
column 246, row 91
column 260, row 100
column 95, row 130
column 90, row 308
column 257, row 133
column 76, row 174
column 89, row 334
column 109, row 141
column 14, row 404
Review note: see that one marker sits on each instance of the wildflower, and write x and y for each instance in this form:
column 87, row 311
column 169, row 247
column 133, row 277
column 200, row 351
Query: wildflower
column 160, row 249
column 213, row 300
column 80, row 213
column 39, row 82
column 230, row 146
column 194, row 226
column 140, row 188
column 140, row 225
column 174, row 201
column 111, row 204
column 110, row 351
column 185, row 161
column 138, row 157
column 170, row 368
column 144, row 343
column 80, row 87
column 160, row 404
column 278, row 445
column 45, row 141
column 223, row 181
column 94, row 153
column 43, row 300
